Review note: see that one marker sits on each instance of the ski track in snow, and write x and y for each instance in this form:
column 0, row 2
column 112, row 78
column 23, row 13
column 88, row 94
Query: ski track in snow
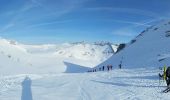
column 125, row 84
column 84, row 95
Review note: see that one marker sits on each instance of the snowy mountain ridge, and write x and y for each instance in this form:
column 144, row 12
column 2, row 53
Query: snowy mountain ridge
column 21, row 58
column 149, row 49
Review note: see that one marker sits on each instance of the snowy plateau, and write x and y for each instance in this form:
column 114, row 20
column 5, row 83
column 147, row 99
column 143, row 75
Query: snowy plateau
column 59, row 72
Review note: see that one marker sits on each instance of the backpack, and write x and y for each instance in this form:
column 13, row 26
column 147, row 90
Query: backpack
column 168, row 72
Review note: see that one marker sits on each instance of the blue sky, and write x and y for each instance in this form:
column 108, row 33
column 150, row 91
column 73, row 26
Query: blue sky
column 55, row 21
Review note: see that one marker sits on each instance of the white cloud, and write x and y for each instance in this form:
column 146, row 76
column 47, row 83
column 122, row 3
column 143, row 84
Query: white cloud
column 54, row 10
column 59, row 7
column 133, row 23
column 6, row 27
column 124, row 32
column 49, row 23
column 127, row 10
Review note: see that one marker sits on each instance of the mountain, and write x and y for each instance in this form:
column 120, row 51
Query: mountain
column 150, row 48
column 49, row 58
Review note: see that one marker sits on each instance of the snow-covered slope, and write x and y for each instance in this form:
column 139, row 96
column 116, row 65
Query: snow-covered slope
column 20, row 58
column 151, row 48
column 125, row 84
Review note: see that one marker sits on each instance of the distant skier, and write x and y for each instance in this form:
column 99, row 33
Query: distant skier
column 120, row 66
column 89, row 71
column 99, row 69
column 108, row 67
column 111, row 67
column 103, row 68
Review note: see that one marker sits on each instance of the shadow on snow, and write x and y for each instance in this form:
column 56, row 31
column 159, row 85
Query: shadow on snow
column 124, row 84
column 26, row 89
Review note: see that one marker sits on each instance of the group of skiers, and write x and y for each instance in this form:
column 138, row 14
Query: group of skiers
column 103, row 68
column 165, row 74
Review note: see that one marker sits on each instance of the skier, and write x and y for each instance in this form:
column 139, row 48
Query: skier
column 108, row 67
column 120, row 66
column 168, row 77
column 111, row 67
column 163, row 75
column 99, row 69
column 103, row 68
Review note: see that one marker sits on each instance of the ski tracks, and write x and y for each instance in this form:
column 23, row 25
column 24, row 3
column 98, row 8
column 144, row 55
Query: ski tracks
column 84, row 95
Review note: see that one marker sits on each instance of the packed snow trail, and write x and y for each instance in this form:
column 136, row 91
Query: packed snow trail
column 124, row 84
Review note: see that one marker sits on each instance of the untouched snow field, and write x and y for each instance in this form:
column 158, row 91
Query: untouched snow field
column 124, row 84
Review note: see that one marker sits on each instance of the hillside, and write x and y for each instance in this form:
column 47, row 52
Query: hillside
column 150, row 48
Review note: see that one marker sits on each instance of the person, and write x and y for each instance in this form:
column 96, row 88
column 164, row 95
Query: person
column 168, row 76
column 99, row 69
column 163, row 74
column 108, row 67
column 111, row 67
column 103, row 68
column 120, row 66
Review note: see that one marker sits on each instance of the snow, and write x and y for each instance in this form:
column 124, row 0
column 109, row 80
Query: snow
column 124, row 84
column 147, row 51
column 115, row 47
column 20, row 58
column 73, row 68
column 35, row 72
